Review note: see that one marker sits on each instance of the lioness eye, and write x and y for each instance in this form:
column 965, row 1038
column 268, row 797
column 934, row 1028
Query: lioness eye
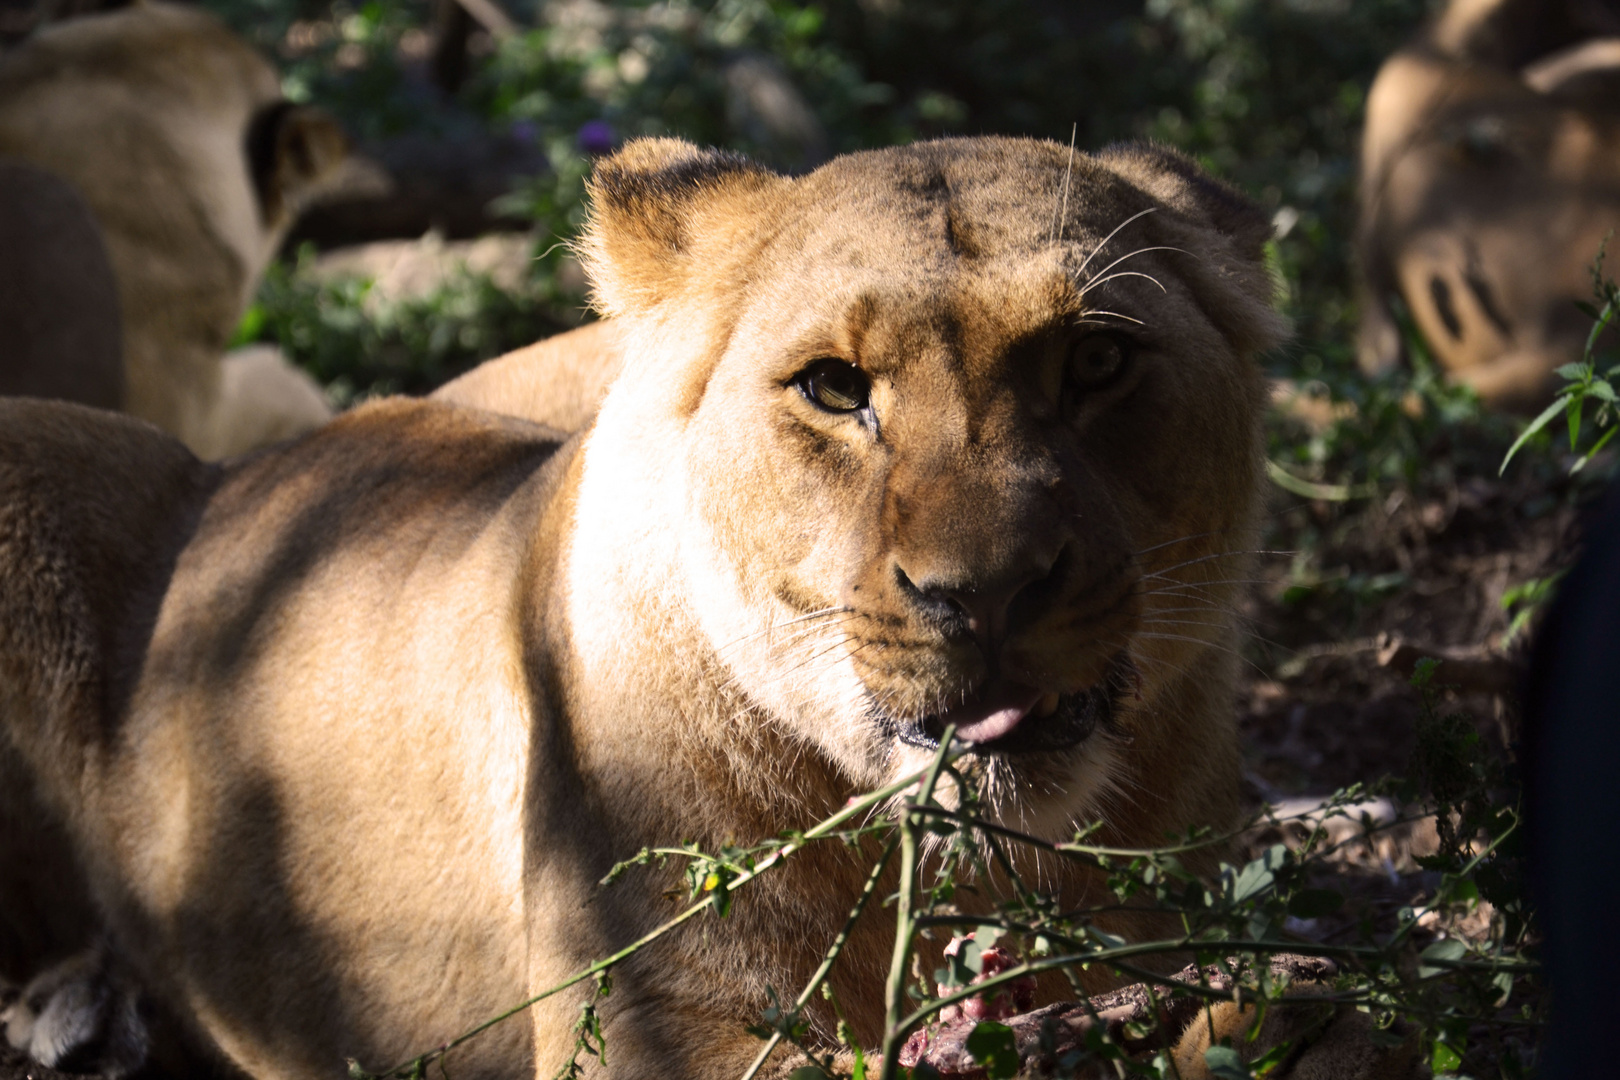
column 835, row 386
column 1096, row 359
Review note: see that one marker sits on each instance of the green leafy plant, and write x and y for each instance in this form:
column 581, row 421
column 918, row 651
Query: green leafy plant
column 1452, row 988
column 359, row 348
column 1524, row 600
column 1583, row 384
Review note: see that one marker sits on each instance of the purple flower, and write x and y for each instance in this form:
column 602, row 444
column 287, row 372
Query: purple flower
column 596, row 137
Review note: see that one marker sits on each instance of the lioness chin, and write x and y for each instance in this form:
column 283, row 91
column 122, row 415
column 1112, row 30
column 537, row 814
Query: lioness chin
column 340, row 737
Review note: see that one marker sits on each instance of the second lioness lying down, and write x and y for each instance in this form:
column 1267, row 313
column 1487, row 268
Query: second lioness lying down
column 932, row 435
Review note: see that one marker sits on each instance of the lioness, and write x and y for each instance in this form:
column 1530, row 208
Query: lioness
column 177, row 136
column 341, row 737
column 1489, row 173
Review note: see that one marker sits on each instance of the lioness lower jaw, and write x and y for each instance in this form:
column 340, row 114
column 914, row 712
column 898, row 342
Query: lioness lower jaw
column 1010, row 718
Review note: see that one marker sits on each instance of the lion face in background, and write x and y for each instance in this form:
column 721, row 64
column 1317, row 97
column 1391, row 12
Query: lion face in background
column 968, row 439
column 1487, row 188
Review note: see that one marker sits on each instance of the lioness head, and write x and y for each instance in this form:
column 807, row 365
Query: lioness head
column 958, row 434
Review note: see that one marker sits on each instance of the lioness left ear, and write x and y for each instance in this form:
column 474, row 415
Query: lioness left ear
column 1235, row 286
column 654, row 206
column 291, row 150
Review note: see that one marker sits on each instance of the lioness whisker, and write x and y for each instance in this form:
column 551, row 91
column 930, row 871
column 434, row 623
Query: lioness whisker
column 1200, row 641
column 1088, row 316
column 813, row 657
column 1170, row 543
column 1104, row 241
column 1175, row 584
column 1139, row 251
column 1068, row 175
column 1125, row 274
column 1196, row 590
column 1207, row 607
column 823, row 613
column 1220, row 625
column 1216, row 555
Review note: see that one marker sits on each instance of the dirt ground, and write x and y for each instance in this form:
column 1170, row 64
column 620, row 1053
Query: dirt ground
column 1325, row 699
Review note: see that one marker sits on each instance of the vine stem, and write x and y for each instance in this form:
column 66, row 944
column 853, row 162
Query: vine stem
column 833, row 953
column 818, row 831
column 905, row 924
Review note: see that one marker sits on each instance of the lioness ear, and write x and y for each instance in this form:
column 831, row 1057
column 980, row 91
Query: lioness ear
column 1236, row 289
column 654, row 204
column 292, row 150
column 1176, row 180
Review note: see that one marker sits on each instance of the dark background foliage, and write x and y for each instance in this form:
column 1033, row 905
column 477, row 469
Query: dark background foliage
column 1267, row 93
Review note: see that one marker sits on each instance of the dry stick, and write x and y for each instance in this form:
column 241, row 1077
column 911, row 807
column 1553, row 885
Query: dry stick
column 832, row 956
column 815, row 832
column 904, row 924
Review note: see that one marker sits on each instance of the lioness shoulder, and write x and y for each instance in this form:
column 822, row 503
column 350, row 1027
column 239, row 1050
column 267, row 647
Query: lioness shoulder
column 949, row 435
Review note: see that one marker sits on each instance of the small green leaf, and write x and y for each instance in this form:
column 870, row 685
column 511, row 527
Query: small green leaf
column 1573, row 372
column 1445, row 1058
column 1105, row 939
column 1449, row 949
column 1590, row 454
column 250, row 328
column 1534, row 426
column 993, row 1046
column 1259, row 876
column 1267, row 1063
column 971, row 954
column 1222, row 1061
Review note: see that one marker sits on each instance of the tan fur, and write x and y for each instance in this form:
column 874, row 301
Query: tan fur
column 558, row 382
column 344, row 750
column 1486, row 193
column 153, row 114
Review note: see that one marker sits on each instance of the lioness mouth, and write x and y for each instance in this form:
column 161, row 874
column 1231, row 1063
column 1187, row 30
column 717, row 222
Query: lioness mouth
column 1010, row 718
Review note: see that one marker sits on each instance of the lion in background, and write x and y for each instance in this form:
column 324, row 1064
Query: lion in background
column 176, row 136
column 1490, row 178
column 329, row 746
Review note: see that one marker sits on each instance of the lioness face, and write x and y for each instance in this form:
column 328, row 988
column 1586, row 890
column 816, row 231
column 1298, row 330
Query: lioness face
column 966, row 444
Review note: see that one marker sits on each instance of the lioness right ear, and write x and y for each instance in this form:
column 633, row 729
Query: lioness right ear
column 1226, row 229
column 654, row 204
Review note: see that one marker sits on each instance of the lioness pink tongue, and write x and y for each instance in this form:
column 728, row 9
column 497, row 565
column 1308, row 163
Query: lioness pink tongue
column 998, row 711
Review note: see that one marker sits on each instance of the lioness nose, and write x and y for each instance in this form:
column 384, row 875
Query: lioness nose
column 977, row 606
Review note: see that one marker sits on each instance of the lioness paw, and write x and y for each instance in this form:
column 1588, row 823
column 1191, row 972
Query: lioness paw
column 1327, row 1041
column 80, row 1017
